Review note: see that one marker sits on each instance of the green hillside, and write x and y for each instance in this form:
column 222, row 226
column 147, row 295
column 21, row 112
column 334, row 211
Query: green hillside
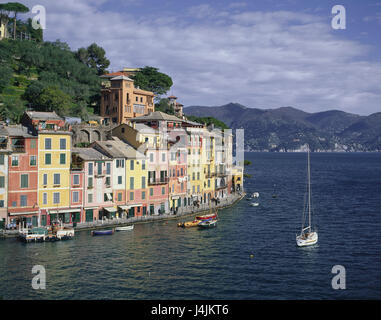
column 45, row 76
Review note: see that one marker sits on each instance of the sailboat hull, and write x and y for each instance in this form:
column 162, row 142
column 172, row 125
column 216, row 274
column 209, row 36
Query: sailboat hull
column 310, row 240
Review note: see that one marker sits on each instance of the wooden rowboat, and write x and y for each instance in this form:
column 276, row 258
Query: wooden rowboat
column 126, row 228
column 208, row 224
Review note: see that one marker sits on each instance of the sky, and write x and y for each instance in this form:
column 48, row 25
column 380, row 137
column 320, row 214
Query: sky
column 261, row 54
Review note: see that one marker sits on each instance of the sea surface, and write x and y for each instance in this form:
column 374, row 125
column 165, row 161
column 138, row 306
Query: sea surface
column 252, row 254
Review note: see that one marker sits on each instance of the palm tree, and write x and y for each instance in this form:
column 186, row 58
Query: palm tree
column 16, row 7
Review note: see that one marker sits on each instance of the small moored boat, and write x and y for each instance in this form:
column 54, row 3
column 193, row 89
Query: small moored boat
column 207, row 216
column 126, row 228
column 102, row 232
column 254, row 204
column 206, row 224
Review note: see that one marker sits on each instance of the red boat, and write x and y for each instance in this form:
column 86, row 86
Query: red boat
column 207, row 216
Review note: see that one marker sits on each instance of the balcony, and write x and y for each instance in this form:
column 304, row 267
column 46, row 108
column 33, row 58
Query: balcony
column 18, row 148
column 153, row 182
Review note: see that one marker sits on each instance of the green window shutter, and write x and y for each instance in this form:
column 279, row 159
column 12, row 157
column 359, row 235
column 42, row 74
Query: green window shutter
column 62, row 158
column 48, row 158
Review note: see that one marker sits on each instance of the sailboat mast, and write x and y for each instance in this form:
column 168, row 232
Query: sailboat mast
column 309, row 188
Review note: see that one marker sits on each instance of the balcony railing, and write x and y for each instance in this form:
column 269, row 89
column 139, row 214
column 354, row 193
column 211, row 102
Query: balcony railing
column 158, row 181
column 18, row 149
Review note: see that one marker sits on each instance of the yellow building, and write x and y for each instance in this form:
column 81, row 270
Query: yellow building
column 208, row 172
column 54, row 158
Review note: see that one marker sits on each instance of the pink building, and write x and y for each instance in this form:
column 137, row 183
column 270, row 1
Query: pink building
column 97, row 183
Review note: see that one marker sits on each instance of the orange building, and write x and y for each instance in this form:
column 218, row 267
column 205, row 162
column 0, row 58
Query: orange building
column 121, row 101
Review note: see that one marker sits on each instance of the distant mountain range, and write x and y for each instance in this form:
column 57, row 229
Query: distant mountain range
column 289, row 129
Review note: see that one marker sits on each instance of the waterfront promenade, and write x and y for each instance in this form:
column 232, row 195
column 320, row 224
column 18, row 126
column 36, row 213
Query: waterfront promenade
column 182, row 212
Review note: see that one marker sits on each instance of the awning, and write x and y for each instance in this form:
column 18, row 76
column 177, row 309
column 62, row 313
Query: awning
column 64, row 211
column 135, row 205
column 175, row 197
column 111, row 209
column 124, row 207
column 22, row 213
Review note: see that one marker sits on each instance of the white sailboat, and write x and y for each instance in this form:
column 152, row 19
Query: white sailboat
column 307, row 236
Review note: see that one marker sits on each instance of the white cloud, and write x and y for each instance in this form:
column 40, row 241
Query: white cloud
column 260, row 59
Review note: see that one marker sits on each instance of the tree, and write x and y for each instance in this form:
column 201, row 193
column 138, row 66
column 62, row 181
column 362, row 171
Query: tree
column 94, row 57
column 53, row 99
column 149, row 78
column 4, row 15
column 6, row 75
column 164, row 106
column 16, row 7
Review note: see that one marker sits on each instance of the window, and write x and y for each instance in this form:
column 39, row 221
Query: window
column 33, row 160
column 48, row 158
column 151, row 191
column 99, row 168
column 143, row 182
column 63, row 144
column 162, row 190
column 182, row 171
column 45, row 179
column 75, row 196
column 15, row 161
column 90, row 198
column 120, row 179
column 23, row 201
column 108, row 168
column 2, row 182
column 182, row 186
column 198, row 188
column 120, row 163
column 193, row 176
column 33, row 144
column 76, row 179
column 56, row 178
column 132, row 165
column 1, row 158
column 108, row 183
column 151, row 157
column 90, row 182
column 120, row 196
column 198, row 175
column 44, row 198
column 24, row 181
column 91, row 167
column 62, row 158
column 48, row 143
column 143, row 164
column 131, row 196
column 163, row 157
column 56, row 197
column 143, row 195
column 208, row 183
column 132, row 183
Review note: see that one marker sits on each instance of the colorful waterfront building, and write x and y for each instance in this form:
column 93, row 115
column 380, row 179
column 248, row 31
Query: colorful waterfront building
column 23, row 207
column 97, row 183
column 5, row 151
column 54, row 176
column 130, row 177
column 208, row 170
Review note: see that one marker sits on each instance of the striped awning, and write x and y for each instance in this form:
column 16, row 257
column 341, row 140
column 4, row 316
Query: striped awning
column 124, row 207
column 22, row 213
column 65, row 211
column 111, row 209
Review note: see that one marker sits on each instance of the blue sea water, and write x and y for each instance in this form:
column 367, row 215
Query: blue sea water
column 161, row 261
